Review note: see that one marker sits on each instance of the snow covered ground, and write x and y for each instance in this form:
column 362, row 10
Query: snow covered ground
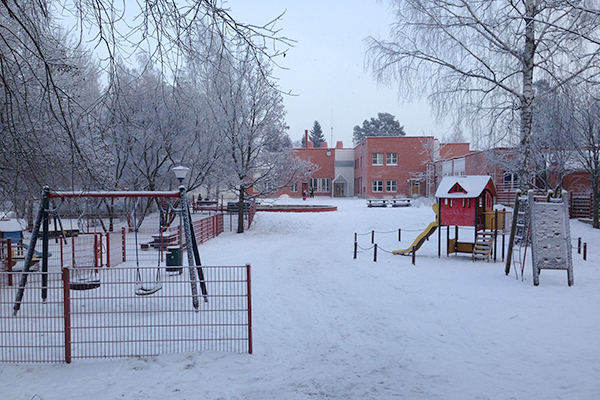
column 327, row 326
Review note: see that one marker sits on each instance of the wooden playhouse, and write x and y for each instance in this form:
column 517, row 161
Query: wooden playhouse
column 468, row 201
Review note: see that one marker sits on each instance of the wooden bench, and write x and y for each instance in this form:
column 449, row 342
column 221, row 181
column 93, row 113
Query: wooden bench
column 206, row 205
column 167, row 240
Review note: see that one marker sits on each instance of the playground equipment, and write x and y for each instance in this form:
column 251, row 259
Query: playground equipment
column 418, row 242
column 464, row 201
column 41, row 227
column 542, row 222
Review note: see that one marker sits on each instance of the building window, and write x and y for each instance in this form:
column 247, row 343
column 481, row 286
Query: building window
column 377, row 186
column 511, row 181
column 294, row 187
column 391, row 186
column 377, row 159
column 322, row 185
column 391, row 159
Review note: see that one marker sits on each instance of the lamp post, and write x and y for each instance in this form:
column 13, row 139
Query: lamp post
column 180, row 173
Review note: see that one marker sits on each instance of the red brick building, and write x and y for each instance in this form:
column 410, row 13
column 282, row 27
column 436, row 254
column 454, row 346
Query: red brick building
column 377, row 167
column 392, row 166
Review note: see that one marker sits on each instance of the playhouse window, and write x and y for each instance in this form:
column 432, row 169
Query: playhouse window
column 377, row 186
column 391, row 186
column 377, row 159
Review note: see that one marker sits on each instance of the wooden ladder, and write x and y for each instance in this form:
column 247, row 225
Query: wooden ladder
column 483, row 245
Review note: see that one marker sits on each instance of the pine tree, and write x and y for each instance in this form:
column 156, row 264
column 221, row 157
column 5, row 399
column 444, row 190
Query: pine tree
column 316, row 135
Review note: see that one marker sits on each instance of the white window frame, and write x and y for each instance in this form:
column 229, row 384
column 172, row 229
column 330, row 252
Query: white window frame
column 377, row 159
column 377, row 186
column 391, row 186
column 320, row 185
column 391, row 159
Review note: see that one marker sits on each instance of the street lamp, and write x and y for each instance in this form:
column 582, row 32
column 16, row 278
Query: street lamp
column 181, row 172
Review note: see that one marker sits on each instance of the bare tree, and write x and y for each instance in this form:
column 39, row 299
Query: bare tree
column 249, row 114
column 481, row 57
column 586, row 112
column 38, row 106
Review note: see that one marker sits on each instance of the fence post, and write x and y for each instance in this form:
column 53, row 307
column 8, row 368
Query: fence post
column 67, row 314
column 578, row 245
column 495, row 234
column 413, row 255
column 9, row 261
column 123, row 242
column 399, row 234
column 585, row 251
column 249, row 289
column 372, row 237
column 355, row 249
column 375, row 252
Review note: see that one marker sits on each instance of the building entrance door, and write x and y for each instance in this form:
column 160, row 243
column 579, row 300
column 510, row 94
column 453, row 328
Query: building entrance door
column 339, row 190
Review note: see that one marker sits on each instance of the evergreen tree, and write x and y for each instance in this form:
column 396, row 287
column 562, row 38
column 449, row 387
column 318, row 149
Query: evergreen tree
column 384, row 125
column 316, row 135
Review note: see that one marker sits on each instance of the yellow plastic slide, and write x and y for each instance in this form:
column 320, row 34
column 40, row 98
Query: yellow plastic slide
column 423, row 236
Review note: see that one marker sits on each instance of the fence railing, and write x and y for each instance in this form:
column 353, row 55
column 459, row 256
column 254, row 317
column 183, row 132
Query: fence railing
column 112, row 320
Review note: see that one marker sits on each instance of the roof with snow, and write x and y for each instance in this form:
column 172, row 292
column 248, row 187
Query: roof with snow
column 12, row 225
column 463, row 187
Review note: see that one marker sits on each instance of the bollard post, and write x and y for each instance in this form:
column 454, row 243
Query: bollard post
column 578, row 245
column 413, row 255
column 372, row 237
column 375, row 252
column 399, row 234
column 355, row 249
column 585, row 252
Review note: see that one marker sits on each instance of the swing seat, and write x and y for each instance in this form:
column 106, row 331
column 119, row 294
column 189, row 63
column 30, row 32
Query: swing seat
column 85, row 284
column 142, row 291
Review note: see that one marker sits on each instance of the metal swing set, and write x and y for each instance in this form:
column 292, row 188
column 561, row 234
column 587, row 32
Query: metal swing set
column 41, row 227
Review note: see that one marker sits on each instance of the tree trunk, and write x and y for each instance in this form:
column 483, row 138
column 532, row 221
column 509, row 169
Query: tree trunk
column 595, row 200
column 528, row 96
column 240, row 228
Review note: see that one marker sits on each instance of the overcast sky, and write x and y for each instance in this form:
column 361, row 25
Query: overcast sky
column 326, row 66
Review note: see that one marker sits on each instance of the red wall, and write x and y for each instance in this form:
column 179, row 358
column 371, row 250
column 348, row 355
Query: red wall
column 413, row 155
column 320, row 158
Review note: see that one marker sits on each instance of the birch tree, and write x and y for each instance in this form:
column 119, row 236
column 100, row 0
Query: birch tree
column 480, row 58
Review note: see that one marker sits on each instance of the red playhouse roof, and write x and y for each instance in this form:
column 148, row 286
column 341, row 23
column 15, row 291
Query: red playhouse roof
column 464, row 187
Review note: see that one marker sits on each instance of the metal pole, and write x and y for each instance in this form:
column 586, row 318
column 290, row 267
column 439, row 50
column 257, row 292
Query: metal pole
column 248, row 285
column 34, row 236
column 188, row 239
column 45, row 239
column 375, row 252
column 585, row 252
column 67, row 313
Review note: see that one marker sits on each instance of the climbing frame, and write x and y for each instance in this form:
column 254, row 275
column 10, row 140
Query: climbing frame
column 550, row 236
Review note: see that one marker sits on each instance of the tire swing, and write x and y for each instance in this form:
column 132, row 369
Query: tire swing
column 140, row 289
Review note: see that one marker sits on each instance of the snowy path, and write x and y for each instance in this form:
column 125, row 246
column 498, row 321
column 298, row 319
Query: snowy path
column 330, row 327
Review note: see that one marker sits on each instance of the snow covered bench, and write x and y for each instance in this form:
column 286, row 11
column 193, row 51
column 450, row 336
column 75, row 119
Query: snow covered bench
column 377, row 203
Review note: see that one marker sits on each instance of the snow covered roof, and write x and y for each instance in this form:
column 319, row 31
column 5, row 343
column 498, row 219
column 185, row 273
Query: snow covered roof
column 12, row 225
column 462, row 187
